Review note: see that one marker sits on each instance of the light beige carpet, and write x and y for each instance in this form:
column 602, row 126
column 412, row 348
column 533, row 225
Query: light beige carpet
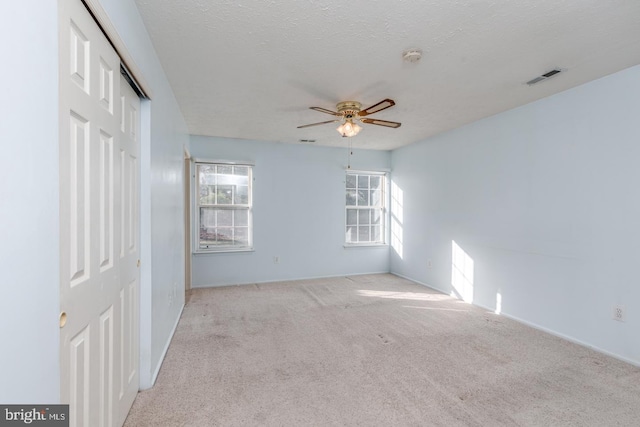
column 374, row 350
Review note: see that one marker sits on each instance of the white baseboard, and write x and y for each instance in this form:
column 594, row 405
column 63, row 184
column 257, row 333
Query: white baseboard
column 166, row 348
column 571, row 339
column 289, row 280
column 420, row 283
column 536, row 326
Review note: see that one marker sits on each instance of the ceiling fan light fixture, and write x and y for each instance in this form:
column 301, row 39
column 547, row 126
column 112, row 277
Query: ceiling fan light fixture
column 348, row 128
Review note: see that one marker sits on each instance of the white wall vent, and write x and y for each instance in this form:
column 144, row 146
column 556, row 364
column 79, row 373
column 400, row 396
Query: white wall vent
column 545, row 76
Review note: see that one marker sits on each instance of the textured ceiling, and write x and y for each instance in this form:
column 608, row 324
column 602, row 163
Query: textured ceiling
column 250, row 69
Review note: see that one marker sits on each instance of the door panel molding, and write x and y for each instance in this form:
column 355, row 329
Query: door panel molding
column 107, row 27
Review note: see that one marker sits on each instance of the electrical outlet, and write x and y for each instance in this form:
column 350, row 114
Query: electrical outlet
column 619, row 313
column 429, row 263
column 276, row 259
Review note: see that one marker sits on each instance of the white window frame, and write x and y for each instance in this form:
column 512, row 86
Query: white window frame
column 198, row 248
column 382, row 207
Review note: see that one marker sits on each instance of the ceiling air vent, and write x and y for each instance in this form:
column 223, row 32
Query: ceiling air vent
column 310, row 141
column 545, row 76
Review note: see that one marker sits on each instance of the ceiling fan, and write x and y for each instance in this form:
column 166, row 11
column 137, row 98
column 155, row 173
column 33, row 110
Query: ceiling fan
column 348, row 111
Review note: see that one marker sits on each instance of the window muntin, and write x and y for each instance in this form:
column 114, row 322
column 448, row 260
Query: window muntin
column 365, row 208
column 224, row 206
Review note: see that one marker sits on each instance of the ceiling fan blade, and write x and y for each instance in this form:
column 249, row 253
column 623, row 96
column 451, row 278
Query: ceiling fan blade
column 382, row 105
column 316, row 124
column 324, row 110
column 381, row 123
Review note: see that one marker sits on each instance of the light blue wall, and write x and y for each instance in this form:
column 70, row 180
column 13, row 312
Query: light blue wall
column 164, row 137
column 29, row 204
column 298, row 214
column 545, row 199
column 29, row 303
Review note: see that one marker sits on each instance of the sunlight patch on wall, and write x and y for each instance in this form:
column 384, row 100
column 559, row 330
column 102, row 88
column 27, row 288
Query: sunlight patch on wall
column 461, row 273
column 397, row 214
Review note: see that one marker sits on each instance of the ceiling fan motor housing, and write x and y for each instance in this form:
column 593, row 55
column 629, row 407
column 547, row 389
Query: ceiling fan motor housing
column 349, row 109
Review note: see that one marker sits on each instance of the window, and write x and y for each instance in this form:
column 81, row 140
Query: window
column 365, row 208
column 224, row 206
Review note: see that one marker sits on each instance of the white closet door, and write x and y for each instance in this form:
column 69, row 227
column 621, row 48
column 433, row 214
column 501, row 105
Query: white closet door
column 129, row 252
column 98, row 228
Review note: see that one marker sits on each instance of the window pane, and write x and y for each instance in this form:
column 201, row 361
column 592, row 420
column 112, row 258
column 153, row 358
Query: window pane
column 207, row 237
column 207, row 195
column 351, row 181
column 241, row 236
column 207, row 174
column 225, row 218
column 363, row 197
column 363, row 216
column 207, row 217
column 352, row 217
column 375, row 182
column 224, row 194
column 225, row 179
column 376, row 198
column 363, row 233
column 207, row 226
column 225, row 170
column 240, row 180
column 363, row 181
column 242, row 195
column 351, row 235
column 375, row 233
column 241, row 170
column 241, row 218
column 376, row 216
column 224, row 235
column 351, row 197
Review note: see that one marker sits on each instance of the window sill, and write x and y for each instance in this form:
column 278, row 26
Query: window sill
column 221, row 251
column 365, row 245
